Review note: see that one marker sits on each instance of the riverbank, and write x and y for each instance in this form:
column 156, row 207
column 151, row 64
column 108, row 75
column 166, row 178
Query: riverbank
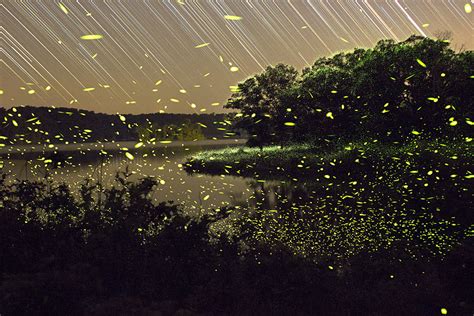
column 113, row 146
column 435, row 176
column 304, row 160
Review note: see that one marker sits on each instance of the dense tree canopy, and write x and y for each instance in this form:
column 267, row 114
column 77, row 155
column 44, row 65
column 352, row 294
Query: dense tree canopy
column 262, row 103
column 395, row 90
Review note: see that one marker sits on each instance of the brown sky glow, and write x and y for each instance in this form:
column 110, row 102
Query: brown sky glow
column 182, row 56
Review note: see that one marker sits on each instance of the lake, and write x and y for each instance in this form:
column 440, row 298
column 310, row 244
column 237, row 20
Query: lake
column 321, row 222
column 74, row 163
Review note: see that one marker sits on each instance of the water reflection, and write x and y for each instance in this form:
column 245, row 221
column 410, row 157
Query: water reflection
column 197, row 192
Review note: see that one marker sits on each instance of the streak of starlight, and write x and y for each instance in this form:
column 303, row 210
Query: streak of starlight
column 128, row 46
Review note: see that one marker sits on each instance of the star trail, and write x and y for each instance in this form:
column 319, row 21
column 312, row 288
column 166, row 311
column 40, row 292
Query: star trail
column 186, row 56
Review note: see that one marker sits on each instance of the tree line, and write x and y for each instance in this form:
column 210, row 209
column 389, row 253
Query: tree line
column 39, row 125
column 394, row 90
column 186, row 131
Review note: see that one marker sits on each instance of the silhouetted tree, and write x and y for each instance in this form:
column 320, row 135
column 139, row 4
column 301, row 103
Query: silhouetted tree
column 259, row 100
column 418, row 86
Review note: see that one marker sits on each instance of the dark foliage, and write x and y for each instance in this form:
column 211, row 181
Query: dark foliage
column 386, row 92
column 58, row 125
column 122, row 255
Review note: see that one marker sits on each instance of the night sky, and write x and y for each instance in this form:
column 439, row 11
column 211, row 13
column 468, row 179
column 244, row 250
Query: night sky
column 183, row 56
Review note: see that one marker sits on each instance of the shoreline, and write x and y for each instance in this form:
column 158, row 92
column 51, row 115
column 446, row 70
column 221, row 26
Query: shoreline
column 305, row 161
column 112, row 146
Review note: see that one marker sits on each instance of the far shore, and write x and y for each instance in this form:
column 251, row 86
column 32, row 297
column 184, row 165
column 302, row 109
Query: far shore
column 113, row 146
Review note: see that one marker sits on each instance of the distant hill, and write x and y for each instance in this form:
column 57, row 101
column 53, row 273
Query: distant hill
column 27, row 124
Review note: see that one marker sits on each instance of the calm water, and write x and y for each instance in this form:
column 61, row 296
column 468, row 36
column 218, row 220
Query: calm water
column 197, row 192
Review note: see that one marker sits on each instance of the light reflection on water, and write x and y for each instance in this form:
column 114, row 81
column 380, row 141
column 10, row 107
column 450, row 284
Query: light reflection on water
column 196, row 192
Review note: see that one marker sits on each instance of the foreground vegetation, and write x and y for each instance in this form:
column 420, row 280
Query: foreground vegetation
column 122, row 254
